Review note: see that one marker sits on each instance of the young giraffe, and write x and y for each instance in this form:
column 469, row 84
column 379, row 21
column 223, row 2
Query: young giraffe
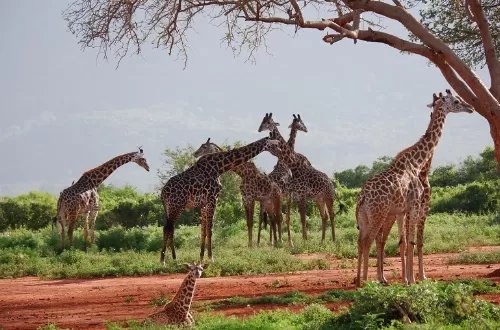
column 82, row 197
column 397, row 191
column 255, row 186
column 199, row 186
column 177, row 310
column 307, row 182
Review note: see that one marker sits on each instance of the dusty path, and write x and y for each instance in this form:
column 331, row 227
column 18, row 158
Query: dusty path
column 29, row 302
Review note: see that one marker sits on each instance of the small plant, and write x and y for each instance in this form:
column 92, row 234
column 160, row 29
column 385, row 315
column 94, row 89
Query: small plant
column 278, row 284
column 160, row 301
column 129, row 299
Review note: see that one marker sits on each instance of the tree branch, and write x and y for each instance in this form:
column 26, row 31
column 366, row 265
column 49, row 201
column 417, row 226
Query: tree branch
column 430, row 40
column 489, row 47
column 406, row 46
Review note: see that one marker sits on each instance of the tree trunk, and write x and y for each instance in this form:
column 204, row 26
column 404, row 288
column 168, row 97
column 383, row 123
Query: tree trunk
column 494, row 122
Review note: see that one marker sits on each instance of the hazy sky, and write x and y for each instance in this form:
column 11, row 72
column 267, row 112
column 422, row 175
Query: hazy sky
column 64, row 111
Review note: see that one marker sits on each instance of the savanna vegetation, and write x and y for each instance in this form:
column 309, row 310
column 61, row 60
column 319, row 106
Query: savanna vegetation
column 464, row 212
column 128, row 238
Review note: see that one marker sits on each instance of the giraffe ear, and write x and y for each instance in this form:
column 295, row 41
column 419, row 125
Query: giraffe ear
column 205, row 266
column 448, row 92
column 186, row 266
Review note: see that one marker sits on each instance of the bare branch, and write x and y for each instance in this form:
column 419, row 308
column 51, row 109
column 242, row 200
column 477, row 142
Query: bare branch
column 397, row 3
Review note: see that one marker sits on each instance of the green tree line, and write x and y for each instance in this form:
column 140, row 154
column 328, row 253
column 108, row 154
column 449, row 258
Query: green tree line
column 471, row 186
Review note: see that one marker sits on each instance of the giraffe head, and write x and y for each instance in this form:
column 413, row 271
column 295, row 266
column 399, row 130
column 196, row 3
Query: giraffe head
column 450, row 103
column 273, row 146
column 207, row 148
column 140, row 160
column 268, row 123
column 196, row 269
column 298, row 124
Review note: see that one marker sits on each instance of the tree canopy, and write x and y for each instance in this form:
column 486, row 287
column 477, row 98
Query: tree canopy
column 454, row 35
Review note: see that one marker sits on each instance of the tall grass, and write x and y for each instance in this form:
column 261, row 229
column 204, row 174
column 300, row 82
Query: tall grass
column 135, row 251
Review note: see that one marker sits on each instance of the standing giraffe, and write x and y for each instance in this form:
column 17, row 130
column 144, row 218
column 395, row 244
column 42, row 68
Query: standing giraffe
column 177, row 310
column 307, row 182
column 82, row 197
column 255, row 186
column 199, row 186
column 397, row 192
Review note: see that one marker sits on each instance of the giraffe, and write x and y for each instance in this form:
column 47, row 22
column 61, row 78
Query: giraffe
column 255, row 186
column 401, row 219
column 177, row 310
column 82, row 197
column 199, row 186
column 307, row 182
column 397, row 192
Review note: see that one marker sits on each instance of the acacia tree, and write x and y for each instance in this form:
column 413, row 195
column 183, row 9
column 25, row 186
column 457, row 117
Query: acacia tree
column 455, row 35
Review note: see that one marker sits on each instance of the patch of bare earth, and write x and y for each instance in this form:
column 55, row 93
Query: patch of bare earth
column 28, row 302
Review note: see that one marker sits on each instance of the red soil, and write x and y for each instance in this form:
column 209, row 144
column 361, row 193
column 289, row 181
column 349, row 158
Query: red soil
column 28, row 302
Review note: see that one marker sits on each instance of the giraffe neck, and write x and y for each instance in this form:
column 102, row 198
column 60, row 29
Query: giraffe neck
column 422, row 151
column 246, row 170
column 288, row 156
column 225, row 161
column 293, row 136
column 184, row 295
column 100, row 173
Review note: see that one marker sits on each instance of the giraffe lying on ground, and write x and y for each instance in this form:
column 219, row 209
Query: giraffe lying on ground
column 255, row 186
column 397, row 192
column 177, row 310
column 82, row 197
column 199, row 186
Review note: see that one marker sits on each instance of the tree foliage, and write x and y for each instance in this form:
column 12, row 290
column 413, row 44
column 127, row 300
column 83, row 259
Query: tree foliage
column 450, row 21
column 355, row 178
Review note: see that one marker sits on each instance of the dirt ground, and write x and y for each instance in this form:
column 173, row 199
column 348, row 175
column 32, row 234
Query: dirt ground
column 29, row 302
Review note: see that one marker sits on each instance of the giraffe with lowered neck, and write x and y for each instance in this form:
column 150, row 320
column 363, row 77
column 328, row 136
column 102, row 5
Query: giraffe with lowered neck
column 307, row 182
column 255, row 186
column 177, row 310
column 199, row 186
column 82, row 196
column 398, row 193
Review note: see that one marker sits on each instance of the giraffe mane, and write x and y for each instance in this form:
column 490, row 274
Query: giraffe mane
column 108, row 161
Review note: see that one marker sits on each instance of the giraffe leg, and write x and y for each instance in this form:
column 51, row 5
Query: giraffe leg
column 261, row 216
column 168, row 238
column 288, row 202
column 331, row 215
column 302, row 210
column 380, row 242
column 71, row 228
column 401, row 220
column 420, row 231
column 279, row 217
column 362, row 218
column 324, row 218
column 93, row 215
column 85, row 229
column 273, row 223
column 207, row 216
column 249, row 211
column 63, row 223
column 420, row 245
column 411, row 222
